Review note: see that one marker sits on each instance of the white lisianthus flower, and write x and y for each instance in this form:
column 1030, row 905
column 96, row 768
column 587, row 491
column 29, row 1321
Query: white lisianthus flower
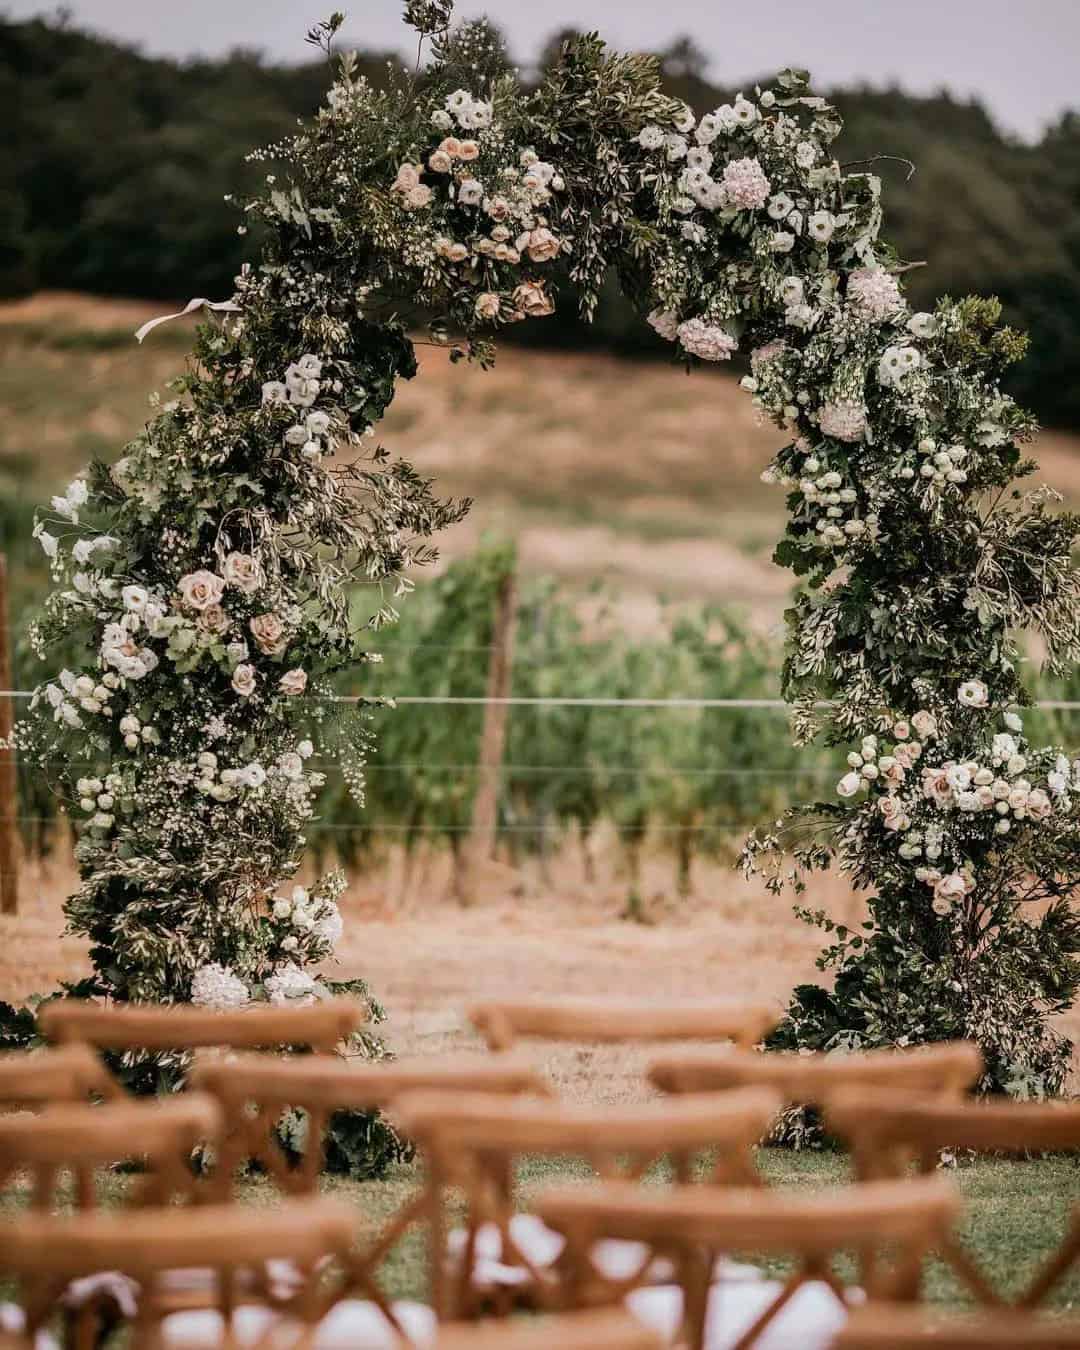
column 135, row 598
column 273, row 391
column 925, row 724
column 253, row 775
column 49, row 542
column 780, row 206
column 216, row 986
column 923, row 325
column 1013, row 722
column 441, row 120
column 650, row 137
column 849, row 785
column 291, row 766
column 699, row 157
column 781, row 241
column 305, row 749
column 470, row 192
column 821, row 226
column 973, row 694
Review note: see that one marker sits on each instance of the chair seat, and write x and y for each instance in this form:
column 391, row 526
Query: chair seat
column 615, row 1258
column 352, row 1324
column 808, row 1321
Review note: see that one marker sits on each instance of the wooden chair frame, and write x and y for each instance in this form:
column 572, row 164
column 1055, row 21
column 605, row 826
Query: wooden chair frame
column 474, row 1142
column 80, row 1139
column 254, row 1091
column 46, row 1253
column 503, row 1023
column 37, row 1078
column 690, row 1223
column 321, row 1026
column 597, row 1329
column 883, row 1326
column 946, row 1070
column 890, row 1132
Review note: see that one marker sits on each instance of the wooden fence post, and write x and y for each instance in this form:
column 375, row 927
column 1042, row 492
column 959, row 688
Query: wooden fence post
column 9, row 794
column 493, row 740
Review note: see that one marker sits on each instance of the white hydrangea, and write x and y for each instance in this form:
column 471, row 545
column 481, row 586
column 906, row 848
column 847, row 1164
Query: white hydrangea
column 290, row 984
column 216, row 986
column 707, row 341
column 875, row 293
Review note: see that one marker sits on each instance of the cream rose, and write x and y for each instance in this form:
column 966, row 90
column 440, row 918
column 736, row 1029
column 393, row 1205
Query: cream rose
column 451, row 146
column 243, row 571
column 293, row 682
column 243, row 680
column 269, row 633
column 213, row 619
column 468, row 151
column 542, row 245
column 199, row 590
column 487, row 305
column 408, row 177
column 949, row 890
column 925, row 724
column 440, row 162
column 533, row 300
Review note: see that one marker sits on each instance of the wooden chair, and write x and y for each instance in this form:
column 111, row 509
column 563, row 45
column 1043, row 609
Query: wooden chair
column 320, row 1027
column 600, row 1329
column 46, row 1253
column 689, row 1223
column 947, row 1070
column 884, row 1326
column 30, row 1079
column 81, row 1139
column 892, row 1131
column 474, row 1141
column 502, row 1024
column 254, row 1091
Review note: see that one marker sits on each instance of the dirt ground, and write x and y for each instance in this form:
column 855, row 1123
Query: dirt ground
column 428, row 960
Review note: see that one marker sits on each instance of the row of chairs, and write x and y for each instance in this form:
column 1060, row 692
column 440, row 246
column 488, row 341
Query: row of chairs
column 662, row 1249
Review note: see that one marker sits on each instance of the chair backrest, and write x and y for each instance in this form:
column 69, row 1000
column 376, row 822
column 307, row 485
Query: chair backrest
column 689, row 1223
column 80, row 1139
column 255, row 1090
column 319, row 1026
column 600, row 1329
column 619, row 1020
column 45, row 1253
column 474, row 1141
column 35, row 1078
column 891, row 1130
column 884, row 1326
column 947, row 1070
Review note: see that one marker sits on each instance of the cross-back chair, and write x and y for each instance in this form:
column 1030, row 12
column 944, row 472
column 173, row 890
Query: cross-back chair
column 891, row 1131
column 946, row 1070
column 597, row 1329
column 885, row 1326
column 320, row 1027
column 82, row 1139
column 475, row 1142
column 503, row 1023
column 72, row 1073
column 46, row 1253
column 690, row 1223
column 255, row 1091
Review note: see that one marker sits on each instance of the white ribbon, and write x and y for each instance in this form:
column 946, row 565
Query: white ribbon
column 229, row 306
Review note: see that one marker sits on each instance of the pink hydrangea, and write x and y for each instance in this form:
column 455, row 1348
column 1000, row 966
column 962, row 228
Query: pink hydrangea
column 875, row 292
column 843, row 421
column 745, row 186
column 707, row 340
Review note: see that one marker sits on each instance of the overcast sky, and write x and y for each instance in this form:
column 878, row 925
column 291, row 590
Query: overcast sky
column 1018, row 56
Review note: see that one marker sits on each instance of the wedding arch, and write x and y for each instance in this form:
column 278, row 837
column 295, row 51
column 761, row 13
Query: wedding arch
column 211, row 570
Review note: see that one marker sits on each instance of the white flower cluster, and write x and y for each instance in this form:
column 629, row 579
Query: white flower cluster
column 290, row 984
column 839, row 523
column 306, row 923
column 301, row 384
column 98, row 798
column 216, row 986
column 310, row 434
column 875, row 294
column 843, row 420
column 896, row 364
column 470, row 113
column 708, row 341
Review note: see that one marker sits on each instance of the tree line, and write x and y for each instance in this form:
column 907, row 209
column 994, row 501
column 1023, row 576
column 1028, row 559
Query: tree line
column 118, row 165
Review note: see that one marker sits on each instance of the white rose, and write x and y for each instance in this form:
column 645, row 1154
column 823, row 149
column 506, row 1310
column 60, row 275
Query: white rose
column 243, row 680
column 849, row 784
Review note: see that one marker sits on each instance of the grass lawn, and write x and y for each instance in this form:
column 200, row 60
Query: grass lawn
column 1016, row 1214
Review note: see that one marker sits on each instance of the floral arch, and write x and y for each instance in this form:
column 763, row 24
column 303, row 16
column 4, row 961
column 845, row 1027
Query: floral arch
column 208, row 571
